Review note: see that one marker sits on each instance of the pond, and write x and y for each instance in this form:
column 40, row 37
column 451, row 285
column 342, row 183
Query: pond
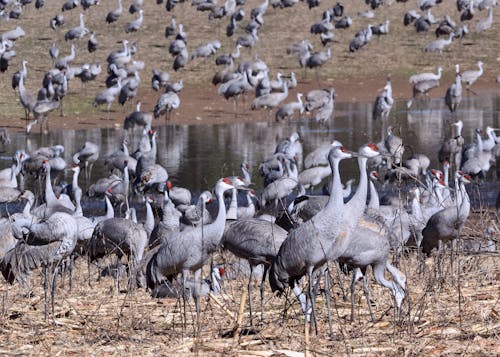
column 196, row 156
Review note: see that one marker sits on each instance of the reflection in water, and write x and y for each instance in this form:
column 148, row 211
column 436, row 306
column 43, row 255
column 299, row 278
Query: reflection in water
column 195, row 156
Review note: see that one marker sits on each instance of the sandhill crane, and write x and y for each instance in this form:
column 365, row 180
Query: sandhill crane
column 159, row 79
column 69, row 5
column 361, row 38
column 270, row 100
column 427, row 76
column 383, row 103
column 129, row 88
column 308, row 247
column 77, row 32
column 470, row 76
column 165, row 104
column 228, row 59
column 319, row 156
column 206, row 49
column 56, row 21
column 318, row 59
column 53, row 52
column 394, row 145
column 454, row 93
column 88, row 155
column 120, row 236
column 135, row 25
column 27, row 99
column 446, row 225
column 108, row 96
column 258, row 242
column 485, row 23
column 138, row 118
column 439, row 44
column 171, row 29
column 325, row 111
column 260, row 9
column 92, row 44
column 43, row 244
column 287, row 110
column 17, row 76
column 65, row 61
column 248, row 40
column 114, row 15
column 380, row 29
column 451, row 149
column 189, row 249
column 422, row 87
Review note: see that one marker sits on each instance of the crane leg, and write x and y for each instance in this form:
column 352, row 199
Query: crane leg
column 310, row 316
column 184, row 298
column 196, row 294
column 353, row 288
column 366, row 288
column 45, row 289
column 262, row 286
column 53, row 289
column 328, row 301
column 249, row 288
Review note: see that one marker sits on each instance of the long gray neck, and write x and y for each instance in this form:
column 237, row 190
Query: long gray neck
column 212, row 233
column 50, row 196
column 374, row 202
column 149, row 224
column 356, row 206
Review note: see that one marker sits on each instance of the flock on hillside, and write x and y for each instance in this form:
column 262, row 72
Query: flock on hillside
column 294, row 234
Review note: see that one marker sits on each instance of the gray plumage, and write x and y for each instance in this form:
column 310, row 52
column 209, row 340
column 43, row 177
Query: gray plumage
column 324, row 113
column 159, row 79
column 485, row 23
column 135, row 25
column 287, row 111
column 318, row 59
column 77, row 32
column 439, row 44
column 270, row 100
column 383, row 103
column 206, row 50
column 114, row 15
column 454, row 93
column 165, row 104
column 470, row 76
column 92, row 44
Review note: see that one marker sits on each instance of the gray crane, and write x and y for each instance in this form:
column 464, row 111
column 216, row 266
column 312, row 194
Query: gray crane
column 426, row 76
column 258, row 242
column 228, row 59
column 114, row 15
column 454, row 93
column 270, row 100
column 439, row 44
column 26, row 98
column 451, row 149
column 92, row 44
column 383, row 103
column 324, row 113
column 370, row 247
column 87, row 155
column 308, row 247
column 287, row 111
column 319, row 156
column 69, row 5
column 318, row 59
column 206, row 50
column 21, row 73
column 394, row 145
column 53, row 52
column 422, row 87
column 446, row 224
column 77, row 32
column 189, row 250
column 121, row 236
column 470, row 76
column 129, row 88
column 159, row 79
column 108, row 96
column 45, row 244
column 485, row 24
column 65, row 61
column 165, row 104
column 181, row 60
column 135, row 25
column 248, row 40
column 138, row 118
column 361, row 38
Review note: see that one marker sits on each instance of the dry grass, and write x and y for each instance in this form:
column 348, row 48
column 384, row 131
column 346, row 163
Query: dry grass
column 96, row 320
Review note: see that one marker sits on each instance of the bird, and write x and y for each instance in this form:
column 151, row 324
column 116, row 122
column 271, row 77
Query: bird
column 485, row 24
column 114, row 15
column 108, row 96
column 92, row 44
column 394, row 145
column 420, row 77
column 258, row 242
column 206, row 49
column 446, row 224
column 56, row 21
column 120, row 236
column 287, row 111
column 361, row 38
column 318, row 59
column 439, row 44
column 308, row 247
column 270, row 100
column 77, row 32
column 454, row 93
column 135, row 25
column 45, row 244
column 324, row 113
column 53, row 52
column 26, row 98
column 64, row 62
column 189, row 250
column 22, row 73
column 69, row 5
column 470, row 76
column 87, row 155
column 159, row 79
column 165, row 104
column 383, row 102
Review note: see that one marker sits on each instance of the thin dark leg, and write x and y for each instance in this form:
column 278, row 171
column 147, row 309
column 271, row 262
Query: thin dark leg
column 328, row 301
column 262, row 287
column 249, row 288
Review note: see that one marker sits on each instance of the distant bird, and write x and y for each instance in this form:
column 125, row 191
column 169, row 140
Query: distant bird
column 485, row 23
column 470, row 76
column 64, row 62
column 361, row 38
column 381, row 29
column 138, row 118
column 53, row 52
column 343, row 23
column 426, row 76
column 159, row 79
column 87, row 155
column 26, row 98
column 383, row 102
column 135, row 25
column 77, row 32
column 454, row 93
column 394, row 145
column 270, row 100
column 248, row 40
column 165, row 104
column 56, row 21
column 206, row 50
column 86, row 4
column 69, row 5
column 325, row 111
column 438, row 45
column 21, row 73
column 422, row 87
column 451, row 149
column 92, row 44
column 114, row 15
column 107, row 96
column 287, row 111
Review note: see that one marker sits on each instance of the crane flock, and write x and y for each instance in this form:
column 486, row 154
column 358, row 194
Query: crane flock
column 340, row 227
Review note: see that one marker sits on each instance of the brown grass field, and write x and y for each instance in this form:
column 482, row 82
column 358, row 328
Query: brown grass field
column 459, row 316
